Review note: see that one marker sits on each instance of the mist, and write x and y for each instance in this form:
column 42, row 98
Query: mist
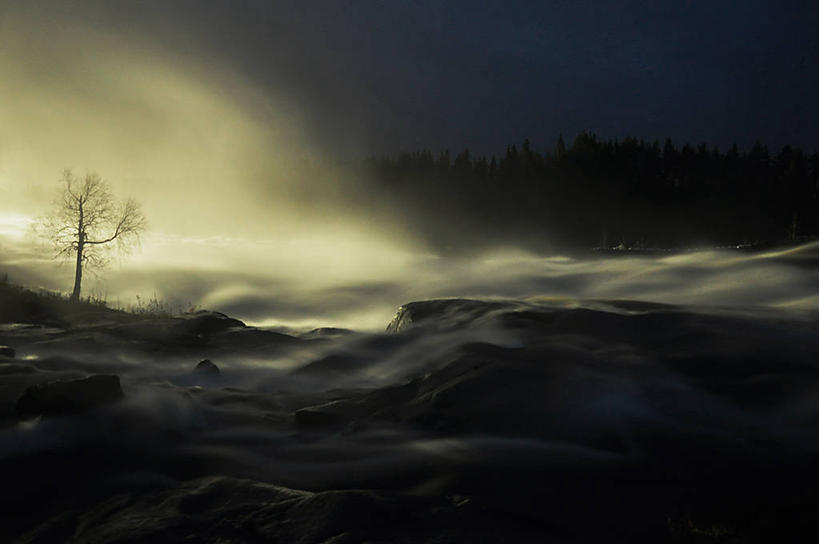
column 227, row 173
column 202, row 148
column 253, row 210
column 354, row 317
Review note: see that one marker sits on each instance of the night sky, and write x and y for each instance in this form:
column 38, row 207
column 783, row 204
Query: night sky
column 389, row 76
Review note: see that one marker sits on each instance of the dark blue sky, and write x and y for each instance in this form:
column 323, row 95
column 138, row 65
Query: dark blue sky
column 423, row 73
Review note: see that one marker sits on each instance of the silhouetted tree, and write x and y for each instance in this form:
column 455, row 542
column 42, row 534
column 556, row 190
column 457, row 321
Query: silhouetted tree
column 86, row 219
column 608, row 191
column 560, row 149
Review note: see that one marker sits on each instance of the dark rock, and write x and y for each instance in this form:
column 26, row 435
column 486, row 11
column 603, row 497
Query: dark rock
column 319, row 416
column 59, row 398
column 207, row 367
column 222, row 509
column 341, row 364
column 444, row 313
column 326, row 332
column 343, row 411
column 206, row 323
column 7, row 352
column 14, row 368
column 191, row 328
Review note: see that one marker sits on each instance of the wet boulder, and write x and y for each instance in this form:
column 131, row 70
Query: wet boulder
column 325, row 415
column 444, row 314
column 8, row 369
column 6, row 351
column 58, row 398
column 206, row 322
column 207, row 367
column 224, row 509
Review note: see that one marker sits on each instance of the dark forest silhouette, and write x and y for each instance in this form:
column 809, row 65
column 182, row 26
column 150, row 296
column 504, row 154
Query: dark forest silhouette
column 603, row 193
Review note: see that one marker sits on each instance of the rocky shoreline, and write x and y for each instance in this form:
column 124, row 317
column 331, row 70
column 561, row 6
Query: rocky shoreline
column 467, row 420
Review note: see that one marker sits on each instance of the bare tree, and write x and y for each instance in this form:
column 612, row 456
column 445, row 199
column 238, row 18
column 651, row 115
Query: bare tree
column 87, row 219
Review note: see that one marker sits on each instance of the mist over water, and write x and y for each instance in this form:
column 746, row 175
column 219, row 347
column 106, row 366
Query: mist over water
column 359, row 283
column 365, row 293
column 578, row 394
column 250, row 210
column 498, row 402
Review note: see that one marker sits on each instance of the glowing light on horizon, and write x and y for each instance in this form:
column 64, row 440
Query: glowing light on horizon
column 15, row 226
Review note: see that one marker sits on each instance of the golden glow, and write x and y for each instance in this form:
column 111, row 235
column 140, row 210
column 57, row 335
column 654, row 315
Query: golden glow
column 14, row 226
column 214, row 161
column 201, row 148
column 237, row 224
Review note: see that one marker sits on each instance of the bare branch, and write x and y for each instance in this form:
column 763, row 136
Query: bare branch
column 130, row 223
column 86, row 218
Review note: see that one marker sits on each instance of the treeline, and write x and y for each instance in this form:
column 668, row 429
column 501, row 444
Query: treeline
column 603, row 193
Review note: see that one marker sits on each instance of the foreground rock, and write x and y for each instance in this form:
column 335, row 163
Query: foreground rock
column 219, row 509
column 60, row 398
column 613, row 421
column 6, row 351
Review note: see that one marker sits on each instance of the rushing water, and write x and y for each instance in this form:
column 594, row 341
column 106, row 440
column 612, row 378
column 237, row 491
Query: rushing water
column 672, row 393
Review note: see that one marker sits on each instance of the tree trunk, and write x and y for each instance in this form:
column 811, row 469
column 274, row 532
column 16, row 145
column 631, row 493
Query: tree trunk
column 75, row 294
